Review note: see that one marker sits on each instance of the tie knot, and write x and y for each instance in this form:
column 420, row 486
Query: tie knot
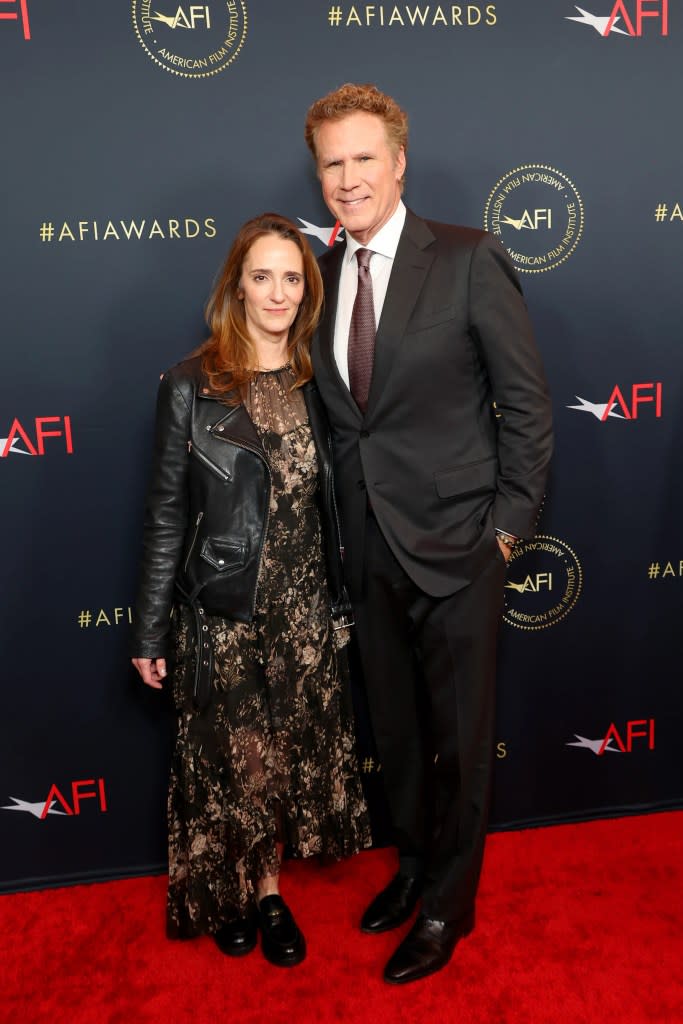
column 363, row 258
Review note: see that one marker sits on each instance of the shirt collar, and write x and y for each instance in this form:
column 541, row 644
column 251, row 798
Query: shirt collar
column 385, row 242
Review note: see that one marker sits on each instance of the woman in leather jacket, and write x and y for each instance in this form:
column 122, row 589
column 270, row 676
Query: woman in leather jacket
column 242, row 605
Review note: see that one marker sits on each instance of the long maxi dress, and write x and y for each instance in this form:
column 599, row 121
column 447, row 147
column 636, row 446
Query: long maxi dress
column 272, row 759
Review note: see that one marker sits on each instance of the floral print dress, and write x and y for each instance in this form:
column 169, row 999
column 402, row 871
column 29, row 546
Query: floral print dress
column 272, row 758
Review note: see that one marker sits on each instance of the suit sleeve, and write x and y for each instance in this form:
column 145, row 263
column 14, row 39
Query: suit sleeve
column 165, row 525
column 500, row 324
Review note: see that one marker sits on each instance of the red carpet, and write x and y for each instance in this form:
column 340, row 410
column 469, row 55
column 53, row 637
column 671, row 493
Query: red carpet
column 575, row 923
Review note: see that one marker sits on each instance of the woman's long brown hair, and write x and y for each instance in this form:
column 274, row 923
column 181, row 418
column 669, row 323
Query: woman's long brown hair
column 229, row 357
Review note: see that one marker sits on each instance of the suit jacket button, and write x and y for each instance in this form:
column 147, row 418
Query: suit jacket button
column 365, row 433
column 361, row 485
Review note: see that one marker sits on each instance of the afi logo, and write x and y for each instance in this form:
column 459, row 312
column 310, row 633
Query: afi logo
column 627, row 17
column 22, row 13
column 533, row 584
column 629, row 403
column 640, row 395
column 198, row 13
column 17, row 432
column 640, row 729
column 643, row 9
column 81, row 789
column 532, row 221
column 328, row 236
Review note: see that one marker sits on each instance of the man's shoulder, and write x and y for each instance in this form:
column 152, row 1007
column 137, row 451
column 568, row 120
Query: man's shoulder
column 422, row 232
column 456, row 235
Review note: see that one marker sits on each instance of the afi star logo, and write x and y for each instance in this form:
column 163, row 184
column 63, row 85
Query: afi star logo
column 328, row 236
column 533, row 584
column 197, row 14
column 81, row 789
column 641, row 394
column 629, row 13
column 17, row 433
column 531, row 220
column 640, row 729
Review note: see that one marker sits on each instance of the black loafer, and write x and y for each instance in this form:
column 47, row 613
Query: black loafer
column 281, row 940
column 392, row 906
column 427, row 948
column 238, row 936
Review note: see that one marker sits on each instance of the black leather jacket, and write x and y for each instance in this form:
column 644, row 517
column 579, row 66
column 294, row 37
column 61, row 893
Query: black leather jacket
column 207, row 507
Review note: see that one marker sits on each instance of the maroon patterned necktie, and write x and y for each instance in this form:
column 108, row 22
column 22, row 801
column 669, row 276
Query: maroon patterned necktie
column 362, row 333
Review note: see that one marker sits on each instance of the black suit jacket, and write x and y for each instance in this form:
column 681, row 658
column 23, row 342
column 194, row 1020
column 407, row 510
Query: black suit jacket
column 439, row 463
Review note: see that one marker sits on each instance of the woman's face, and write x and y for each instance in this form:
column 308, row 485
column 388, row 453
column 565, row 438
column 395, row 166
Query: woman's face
column 272, row 287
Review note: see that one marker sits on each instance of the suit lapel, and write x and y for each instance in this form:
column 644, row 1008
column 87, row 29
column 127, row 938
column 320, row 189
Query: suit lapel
column 411, row 265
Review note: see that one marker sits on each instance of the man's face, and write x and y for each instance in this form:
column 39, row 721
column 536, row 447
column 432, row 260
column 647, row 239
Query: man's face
column 359, row 173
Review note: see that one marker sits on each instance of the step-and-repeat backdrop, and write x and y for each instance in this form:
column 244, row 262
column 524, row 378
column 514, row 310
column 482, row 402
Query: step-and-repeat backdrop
column 136, row 138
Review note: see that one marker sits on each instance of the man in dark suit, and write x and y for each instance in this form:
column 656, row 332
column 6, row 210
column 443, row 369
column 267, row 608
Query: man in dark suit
column 441, row 424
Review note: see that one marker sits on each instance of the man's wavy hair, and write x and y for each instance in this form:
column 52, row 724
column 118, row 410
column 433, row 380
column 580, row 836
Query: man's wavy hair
column 352, row 99
column 229, row 357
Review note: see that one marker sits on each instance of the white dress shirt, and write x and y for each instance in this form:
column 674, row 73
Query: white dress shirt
column 383, row 246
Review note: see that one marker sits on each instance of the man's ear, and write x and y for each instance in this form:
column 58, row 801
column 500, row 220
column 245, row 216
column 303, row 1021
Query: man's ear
column 401, row 163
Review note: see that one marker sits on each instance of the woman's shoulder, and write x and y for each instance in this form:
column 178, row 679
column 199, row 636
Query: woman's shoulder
column 182, row 381
column 188, row 369
column 186, row 375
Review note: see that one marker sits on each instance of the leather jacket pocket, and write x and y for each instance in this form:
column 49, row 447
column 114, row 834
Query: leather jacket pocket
column 224, row 554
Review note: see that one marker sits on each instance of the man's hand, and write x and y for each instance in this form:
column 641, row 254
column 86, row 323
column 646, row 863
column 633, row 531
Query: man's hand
column 505, row 548
column 152, row 670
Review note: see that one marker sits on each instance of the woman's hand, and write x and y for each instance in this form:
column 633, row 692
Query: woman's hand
column 152, row 670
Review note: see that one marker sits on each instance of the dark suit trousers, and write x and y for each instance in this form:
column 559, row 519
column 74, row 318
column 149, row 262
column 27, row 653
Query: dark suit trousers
column 429, row 666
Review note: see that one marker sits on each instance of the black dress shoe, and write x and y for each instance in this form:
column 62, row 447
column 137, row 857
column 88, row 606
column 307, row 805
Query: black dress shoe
column 392, row 906
column 427, row 948
column 238, row 937
column 281, row 940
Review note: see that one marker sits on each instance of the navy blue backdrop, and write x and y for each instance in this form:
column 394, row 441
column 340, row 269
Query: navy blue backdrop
column 135, row 142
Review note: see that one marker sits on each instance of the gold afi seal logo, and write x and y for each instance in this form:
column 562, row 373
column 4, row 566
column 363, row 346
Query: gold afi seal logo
column 537, row 213
column 544, row 581
column 191, row 40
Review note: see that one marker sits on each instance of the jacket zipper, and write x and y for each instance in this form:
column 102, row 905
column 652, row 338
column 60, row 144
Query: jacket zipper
column 208, row 463
column 261, row 456
column 194, row 540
